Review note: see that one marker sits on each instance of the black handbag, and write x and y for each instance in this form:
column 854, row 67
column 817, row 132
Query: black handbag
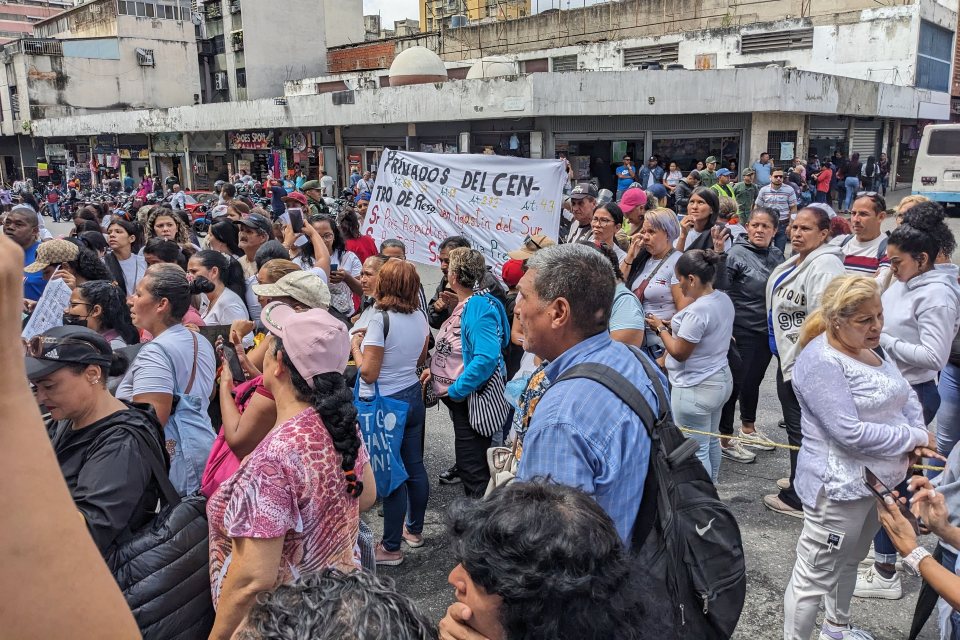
column 163, row 568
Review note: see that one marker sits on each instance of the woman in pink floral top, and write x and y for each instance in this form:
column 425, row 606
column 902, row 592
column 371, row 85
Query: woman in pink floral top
column 293, row 506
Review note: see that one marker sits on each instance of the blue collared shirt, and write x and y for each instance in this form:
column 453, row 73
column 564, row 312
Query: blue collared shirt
column 582, row 435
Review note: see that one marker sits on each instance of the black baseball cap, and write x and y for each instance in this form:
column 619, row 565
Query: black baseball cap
column 257, row 222
column 584, row 190
column 60, row 346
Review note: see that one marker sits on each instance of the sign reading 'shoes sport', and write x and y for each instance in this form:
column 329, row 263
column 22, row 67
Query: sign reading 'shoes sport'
column 494, row 201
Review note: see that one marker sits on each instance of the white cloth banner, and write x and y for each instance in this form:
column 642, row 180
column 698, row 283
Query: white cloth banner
column 494, row 201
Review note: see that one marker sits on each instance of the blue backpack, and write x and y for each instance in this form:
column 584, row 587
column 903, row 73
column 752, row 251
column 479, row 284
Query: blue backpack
column 188, row 436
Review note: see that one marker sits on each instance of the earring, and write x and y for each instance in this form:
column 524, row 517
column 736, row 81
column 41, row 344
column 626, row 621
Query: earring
column 95, row 382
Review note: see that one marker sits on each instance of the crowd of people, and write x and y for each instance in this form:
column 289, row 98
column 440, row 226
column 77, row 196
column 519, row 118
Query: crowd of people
column 242, row 359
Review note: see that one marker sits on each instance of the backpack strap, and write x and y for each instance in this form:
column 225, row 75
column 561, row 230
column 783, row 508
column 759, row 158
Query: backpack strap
column 631, row 396
column 847, row 239
column 156, row 464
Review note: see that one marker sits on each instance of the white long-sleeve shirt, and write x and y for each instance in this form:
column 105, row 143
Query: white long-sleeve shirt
column 853, row 415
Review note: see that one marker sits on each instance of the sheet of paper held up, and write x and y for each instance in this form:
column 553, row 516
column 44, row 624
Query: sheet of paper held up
column 49, row 310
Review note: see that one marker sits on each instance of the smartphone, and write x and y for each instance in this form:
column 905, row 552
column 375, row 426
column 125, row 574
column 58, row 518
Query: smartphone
column 296, row 219
column 880, row 490
column 233, row 361
column 334, row 266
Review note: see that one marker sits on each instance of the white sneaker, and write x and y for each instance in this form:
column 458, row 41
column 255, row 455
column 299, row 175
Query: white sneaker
column 755, row 440
column 849, row 633
column 870, row 584
column 737, row 453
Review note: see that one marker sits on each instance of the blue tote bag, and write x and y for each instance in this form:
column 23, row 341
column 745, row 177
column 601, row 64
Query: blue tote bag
column 382, row 420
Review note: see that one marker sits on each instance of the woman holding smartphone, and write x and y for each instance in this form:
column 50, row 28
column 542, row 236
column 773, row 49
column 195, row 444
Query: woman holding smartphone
column 847, row 425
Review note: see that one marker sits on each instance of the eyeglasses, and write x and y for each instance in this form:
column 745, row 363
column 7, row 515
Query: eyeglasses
column 603, row 221
column 37, row 345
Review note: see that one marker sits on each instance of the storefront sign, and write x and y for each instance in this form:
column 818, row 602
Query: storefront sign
column 495, row 201
column 251, row 140
column 55, row 150
column 134, row 153
column 167, row 143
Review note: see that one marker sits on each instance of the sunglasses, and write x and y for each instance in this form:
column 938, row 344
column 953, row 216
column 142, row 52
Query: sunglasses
column 530, row 240
column 867, row 194
column 37, row 345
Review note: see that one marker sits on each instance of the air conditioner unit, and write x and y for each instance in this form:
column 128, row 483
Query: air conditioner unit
column 220, row 81
column 145, row 57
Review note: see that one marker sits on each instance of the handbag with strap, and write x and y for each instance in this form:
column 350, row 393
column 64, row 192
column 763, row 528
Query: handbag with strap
column 223, row 462
column 446, row 364
column 188, row 434
column 382, row 422
column 488, row 407
column 646, row 281
column 162, row 568
column 502, row 462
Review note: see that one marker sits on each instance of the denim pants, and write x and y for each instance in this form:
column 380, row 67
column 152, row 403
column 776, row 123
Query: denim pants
column 852, row 185
column 54, row 209
column 699, row 408
column 780, row 239
column 948, row 417
column 884, row 551
column 409, row 500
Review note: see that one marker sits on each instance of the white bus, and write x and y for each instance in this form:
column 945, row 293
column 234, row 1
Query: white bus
column 937, row 171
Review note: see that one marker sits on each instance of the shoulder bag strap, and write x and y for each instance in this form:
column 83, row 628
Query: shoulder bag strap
column 646, row 281
column 193, row 371
column 386, row 326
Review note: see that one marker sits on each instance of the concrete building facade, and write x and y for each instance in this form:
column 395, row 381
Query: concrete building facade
column 248, row 64
column 17, row 17
column 437, row 14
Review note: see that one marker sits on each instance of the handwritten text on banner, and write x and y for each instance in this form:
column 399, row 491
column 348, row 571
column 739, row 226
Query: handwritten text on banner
column 494, row 201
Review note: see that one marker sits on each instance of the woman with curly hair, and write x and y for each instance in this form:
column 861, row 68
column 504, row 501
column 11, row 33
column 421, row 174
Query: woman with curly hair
column 102, row 306
column 293, row 507
column 165, row 223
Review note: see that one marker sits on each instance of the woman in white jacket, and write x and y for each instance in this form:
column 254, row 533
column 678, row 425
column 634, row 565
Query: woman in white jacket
column 794, row 290
column 858, row 411
column 922, row 309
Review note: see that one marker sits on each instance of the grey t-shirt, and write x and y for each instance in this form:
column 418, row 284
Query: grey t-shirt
column 708, row 323
column 150, row 371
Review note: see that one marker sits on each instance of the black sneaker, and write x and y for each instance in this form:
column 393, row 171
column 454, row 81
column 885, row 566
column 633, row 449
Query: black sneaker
column 450, row 476
column 782, row 424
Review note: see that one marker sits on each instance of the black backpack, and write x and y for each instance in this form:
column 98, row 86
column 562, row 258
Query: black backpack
column 163, row 568
column 685, row 540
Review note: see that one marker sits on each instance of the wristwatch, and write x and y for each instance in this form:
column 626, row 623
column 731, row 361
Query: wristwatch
column 660, row 329
column 912, row 561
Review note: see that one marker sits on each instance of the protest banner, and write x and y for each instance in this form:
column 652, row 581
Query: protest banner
column 494, row 201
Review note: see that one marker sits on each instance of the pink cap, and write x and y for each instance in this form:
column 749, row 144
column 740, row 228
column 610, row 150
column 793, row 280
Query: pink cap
column 315, row 341
column 633, row 198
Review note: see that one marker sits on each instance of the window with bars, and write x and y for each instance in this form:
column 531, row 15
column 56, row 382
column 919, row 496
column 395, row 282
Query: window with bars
column 664, row 54
column 241, row 78
column 769, row 41
column 933, row 57
column 775, row 140
column 564, row 63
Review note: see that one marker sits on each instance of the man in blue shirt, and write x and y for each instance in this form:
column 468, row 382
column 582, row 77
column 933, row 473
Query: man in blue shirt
column 581, row 434
column 23, row 227
column 626, row 176
column 762, row 169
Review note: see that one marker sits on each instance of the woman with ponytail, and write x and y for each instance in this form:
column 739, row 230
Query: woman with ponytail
column 224, row 303
column 858, row 412
column 293, row 507
column 697, row 341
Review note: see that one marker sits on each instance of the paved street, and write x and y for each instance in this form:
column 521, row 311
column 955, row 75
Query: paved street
column 769, row 538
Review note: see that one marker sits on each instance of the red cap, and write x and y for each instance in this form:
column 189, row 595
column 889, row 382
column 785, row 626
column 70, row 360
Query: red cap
column 297, row 196
column 512, row 272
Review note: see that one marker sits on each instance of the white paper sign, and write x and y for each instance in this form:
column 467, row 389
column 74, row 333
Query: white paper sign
column 494, row 201
column 49, row 310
